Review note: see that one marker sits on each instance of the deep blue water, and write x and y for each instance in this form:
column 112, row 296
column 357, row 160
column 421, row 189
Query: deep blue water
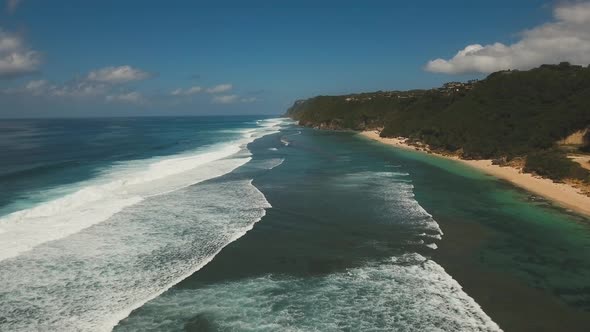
column 44, row 154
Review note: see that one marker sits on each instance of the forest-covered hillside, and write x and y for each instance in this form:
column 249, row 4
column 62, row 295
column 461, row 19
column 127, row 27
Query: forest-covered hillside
column 508, row 114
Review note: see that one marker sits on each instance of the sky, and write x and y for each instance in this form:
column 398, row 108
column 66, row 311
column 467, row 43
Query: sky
column 144, row 58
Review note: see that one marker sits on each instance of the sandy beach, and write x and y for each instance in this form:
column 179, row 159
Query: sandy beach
column 560, row 193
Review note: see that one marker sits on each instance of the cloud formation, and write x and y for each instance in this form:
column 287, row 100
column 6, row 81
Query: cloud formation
column 117, row 75
column 567, row 38
column 231, row 99
column 187, row 92
column 220, row 88
column 76, row 89
column 106, row 85
column 249, row 99
column 80, row 90
column 129, row 98
column 225, row 99
column 15, row 58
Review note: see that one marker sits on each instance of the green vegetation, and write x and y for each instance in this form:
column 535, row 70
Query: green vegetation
column 555, row 165
column 509, row 114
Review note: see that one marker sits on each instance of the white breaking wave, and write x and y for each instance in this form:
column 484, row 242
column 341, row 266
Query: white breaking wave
column 271, row 163
column 433, row 246
column 284, row 138
column 91, row 278
column 396, row 191
column 123, row 186
column 96, row 277
column 408, row 293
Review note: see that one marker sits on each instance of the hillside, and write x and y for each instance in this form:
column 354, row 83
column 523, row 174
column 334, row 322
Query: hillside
column 508, row 115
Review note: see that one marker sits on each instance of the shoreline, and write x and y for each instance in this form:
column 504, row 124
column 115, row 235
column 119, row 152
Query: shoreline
column 560, row 193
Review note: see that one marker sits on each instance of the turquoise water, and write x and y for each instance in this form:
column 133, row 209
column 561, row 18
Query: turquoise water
column 545, row 246
column 343, row 247
column 285, row 228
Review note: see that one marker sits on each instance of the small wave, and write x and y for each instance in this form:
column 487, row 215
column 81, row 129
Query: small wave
column 408, row 293
column 396, row 192
column 284, row 139
column 274, row 163
column 294, row 134
column 433, row 246
column 432, row 236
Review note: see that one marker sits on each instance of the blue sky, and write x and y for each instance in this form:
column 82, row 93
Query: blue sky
column 108, row 58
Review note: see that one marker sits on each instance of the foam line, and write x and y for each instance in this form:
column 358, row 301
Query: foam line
column 407, row 293
column 92, row 278
column 123, row 186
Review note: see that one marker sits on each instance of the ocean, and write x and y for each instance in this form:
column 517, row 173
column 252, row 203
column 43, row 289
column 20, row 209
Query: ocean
column 255, row 224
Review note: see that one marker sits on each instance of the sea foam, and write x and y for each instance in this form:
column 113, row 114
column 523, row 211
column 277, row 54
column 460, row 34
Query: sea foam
column 122, row 186
column 407, row 293
column 88, row 278
column 96, row 277
column 395, row 191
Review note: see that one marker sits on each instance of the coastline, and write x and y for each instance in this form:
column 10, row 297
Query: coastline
column 560, row 193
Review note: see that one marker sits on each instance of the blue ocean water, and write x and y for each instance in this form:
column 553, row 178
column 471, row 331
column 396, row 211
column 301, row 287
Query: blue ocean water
column 256, row 224
column 83, row 237
column 101, row 216
column 42, row 155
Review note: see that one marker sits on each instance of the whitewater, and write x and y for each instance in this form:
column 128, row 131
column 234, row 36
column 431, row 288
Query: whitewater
column 121, row 240
column 84, row 261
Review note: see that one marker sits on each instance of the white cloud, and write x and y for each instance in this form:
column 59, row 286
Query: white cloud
column 117, row 75
column 187, row 92
column 36, row 85
column 231, row 99
column 129, row 97
column 225, row 99
column 220, row 88
column 80, row 89
column 567, row 38
column 9, row 43
column 16, row 59
column 578, row 13
column 97, row 83
column 76, row 89
column 249, row 100
column 12, row 5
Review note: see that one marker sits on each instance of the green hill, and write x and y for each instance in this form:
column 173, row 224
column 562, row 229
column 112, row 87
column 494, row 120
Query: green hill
column 509, row 114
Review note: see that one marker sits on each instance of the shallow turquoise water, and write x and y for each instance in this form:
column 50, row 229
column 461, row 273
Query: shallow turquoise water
column 346, row 244
column 542, row 244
